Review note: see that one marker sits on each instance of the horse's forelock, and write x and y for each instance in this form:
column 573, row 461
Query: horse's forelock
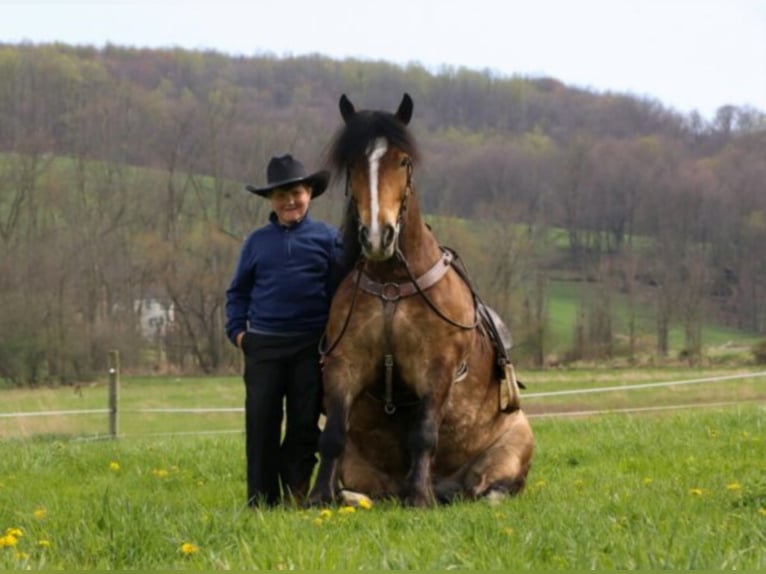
column 352, row 141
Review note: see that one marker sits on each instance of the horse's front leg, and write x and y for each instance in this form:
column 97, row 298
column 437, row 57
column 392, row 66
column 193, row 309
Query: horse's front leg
column 331, row 445
column 422, row 441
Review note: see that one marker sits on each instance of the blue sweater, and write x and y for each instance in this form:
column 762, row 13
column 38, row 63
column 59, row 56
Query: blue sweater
column 285, row 279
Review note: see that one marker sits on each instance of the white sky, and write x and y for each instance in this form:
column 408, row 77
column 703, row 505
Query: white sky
column 688, row 54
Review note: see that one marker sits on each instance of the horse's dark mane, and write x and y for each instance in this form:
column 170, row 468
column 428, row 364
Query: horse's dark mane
column 353, row 139
column 352, row 249
column 349, row 146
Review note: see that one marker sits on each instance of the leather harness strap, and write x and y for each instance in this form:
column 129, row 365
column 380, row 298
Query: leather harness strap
column 391, row 291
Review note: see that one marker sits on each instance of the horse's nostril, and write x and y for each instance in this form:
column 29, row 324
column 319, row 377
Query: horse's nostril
column 364, row 236
column 388, row 235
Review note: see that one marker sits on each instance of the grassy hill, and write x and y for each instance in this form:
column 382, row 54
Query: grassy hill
column 721, row 343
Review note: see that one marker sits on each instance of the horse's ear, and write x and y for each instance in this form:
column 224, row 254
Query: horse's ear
column 346, row 108
column 404, row 113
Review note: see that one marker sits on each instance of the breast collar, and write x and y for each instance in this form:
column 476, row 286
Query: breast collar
column 392, row 291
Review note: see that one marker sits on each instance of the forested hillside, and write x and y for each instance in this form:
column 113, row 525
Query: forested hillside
column 122, row 174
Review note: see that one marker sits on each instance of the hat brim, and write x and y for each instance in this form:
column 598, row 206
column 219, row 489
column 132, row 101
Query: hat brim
column 316, row 181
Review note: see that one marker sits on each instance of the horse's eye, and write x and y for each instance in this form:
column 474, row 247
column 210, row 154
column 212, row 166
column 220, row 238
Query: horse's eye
column 405, row 161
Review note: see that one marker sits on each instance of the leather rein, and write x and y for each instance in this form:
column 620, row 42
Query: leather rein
column 390, row 292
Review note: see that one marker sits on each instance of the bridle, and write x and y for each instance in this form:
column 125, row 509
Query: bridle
column 402, row 207
column 391, row 292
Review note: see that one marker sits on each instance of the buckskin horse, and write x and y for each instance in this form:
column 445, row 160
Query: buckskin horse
column 421, row 401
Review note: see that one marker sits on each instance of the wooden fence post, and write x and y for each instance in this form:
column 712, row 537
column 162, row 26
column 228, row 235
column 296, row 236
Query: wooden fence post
column 114, row 392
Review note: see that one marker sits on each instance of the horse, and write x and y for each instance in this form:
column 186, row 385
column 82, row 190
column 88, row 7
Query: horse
column 419, row 404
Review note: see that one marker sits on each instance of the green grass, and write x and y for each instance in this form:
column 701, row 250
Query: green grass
column 135, row 393
column 721, row 343
column 140, row 393
column 683, row 490
column 744, row 389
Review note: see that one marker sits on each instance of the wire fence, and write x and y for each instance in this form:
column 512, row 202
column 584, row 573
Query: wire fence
column 113, row 410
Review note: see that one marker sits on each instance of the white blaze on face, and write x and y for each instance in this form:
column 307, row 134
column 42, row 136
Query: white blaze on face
column 377, row 150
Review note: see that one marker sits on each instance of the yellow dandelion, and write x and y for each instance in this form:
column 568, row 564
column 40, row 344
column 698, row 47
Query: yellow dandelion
column 365, row 503
column 40, row 513
column 648, row 480
column 114, row 466
column 346, row 510
column 187, row 549
column 696, row 491
column 160, row 473
column 44, row 543
column 8, row 541
column 539, row 484
column 15, row 532
column 734, row 486
column 317, row 521
column 325, row 514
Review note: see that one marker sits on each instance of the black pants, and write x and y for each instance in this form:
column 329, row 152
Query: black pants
column 281, row 370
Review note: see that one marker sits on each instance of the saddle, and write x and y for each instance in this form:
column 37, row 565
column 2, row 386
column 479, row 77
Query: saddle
column 499, row 335
column 496, row 329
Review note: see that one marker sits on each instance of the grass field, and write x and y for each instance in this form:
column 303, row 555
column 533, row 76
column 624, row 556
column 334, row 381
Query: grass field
column 138, row 395
column 721, row 344
column 681, row 490
column 675, row 489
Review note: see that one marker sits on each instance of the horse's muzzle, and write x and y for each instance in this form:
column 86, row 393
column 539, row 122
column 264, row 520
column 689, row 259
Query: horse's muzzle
column 377, row 246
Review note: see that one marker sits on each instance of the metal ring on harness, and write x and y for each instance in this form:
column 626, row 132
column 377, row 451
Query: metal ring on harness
column 391, row 292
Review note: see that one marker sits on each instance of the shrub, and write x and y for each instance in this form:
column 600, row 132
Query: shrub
column 759, row 352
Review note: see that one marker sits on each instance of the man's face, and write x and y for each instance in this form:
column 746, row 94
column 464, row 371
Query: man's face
column 291, row 203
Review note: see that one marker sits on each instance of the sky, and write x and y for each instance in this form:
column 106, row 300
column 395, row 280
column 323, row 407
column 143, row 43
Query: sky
column 690, row 55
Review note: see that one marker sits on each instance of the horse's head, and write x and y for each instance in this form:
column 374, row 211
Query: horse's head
column 377, row 152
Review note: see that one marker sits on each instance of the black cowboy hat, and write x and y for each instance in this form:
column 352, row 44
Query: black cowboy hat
column 285, row 171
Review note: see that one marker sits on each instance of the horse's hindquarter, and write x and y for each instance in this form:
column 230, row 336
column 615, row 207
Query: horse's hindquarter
column 474, row 431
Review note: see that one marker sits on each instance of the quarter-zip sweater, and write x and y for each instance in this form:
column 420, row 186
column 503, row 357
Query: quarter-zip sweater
column 284, row 280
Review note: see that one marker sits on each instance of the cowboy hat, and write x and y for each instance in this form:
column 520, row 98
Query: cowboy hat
column 285, row 171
